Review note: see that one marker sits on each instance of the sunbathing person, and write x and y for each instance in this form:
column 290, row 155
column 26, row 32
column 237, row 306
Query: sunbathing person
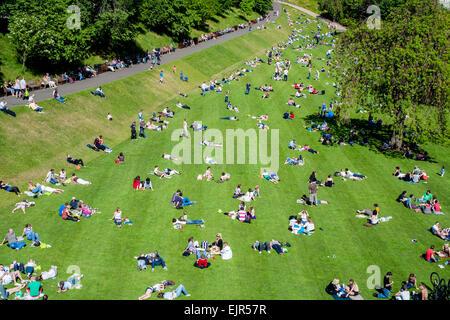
column 295, row 161
column 293, row 146
column 210, row 144
column 75, row 180
column 170, row 157
column 9, row 188
column 22, row 205
column 234, row 118
column 272, row 177
column 262, row 125
column 305, row 200
column 224, row 177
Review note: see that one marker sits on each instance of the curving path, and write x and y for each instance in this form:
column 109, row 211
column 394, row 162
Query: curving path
column 107, row 77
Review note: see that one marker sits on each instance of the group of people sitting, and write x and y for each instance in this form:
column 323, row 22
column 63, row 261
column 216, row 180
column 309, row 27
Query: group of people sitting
column 427, row 204
column 99, row 145
column 414, row 176
column 179, row 201
column 142, row 185
column 302, row 224
column 204, row 251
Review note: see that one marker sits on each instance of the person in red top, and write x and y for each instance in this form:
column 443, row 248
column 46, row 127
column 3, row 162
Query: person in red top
column 436, row 206
column 67, row 215
column 429, row 255
column 291, row 116
column 137, row 183
column 202, row 262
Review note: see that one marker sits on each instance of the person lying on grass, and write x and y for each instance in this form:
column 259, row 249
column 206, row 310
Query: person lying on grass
column 272, row 177
column 202, row 262
column 174, row 294
column 261, row 246
column 182, row 106
column 9, row 188
column 34, row 106
column 224, row 177
column 248, row 196
column 157, row 260
column 347, row 174
column 241, row 215
column 210, row 144
column 75, row 180
column 196, row 126
column 152, row 126
column 445, row 252
column 71, row 282
column 305, row 200
column 156, row 288
column 234, row 118
column 23, row 205
column 167, row 173
column 167, row 113
column 295, row 161
column 170, row 157
column 184, row 220
column 263, row 117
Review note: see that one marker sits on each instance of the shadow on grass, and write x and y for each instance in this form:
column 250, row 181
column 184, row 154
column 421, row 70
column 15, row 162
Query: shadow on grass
column 374, row 136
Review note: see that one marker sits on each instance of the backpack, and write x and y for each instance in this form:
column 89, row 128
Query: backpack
column 205, row 245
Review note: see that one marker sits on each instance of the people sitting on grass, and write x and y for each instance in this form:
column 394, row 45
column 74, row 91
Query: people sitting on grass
column 443, row 233
column 4, row 108
column 12, row 241
column 430, row 255
column 293, row 146
column 337, row 291
column 202, row 262
column 30, row 234
column 179, row 201
column 67, row 214
column 224, row 177
column 445, row 251
column 117, row 217
column 306, row 228
column 248, row 196
column 98, row 92
column 120, row 158
column 34, row 106
column 230, row 107
column 196, row 126
column 58, row 97
column 10, row 275
column 329, row 181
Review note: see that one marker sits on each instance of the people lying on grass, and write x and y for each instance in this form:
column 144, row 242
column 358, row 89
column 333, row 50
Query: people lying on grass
column 170, row 157
column 156, row 288
column 210, row 144
column 370, row 212
column 167, row 173
column 98, row 143
column 196, row 126
column 5, row 186
column 347, row 174
column 272, row 177
column 306, row 201
column 309, row 149
column 263, row 117
column 241, row 215
column 234, row 118
column 265, row 96
column 277, row 246
column 75, row 180
column 230, row 107
column 182, row 106
column 224, row 177
column 445, row 251
column 261, row 246
column 184, row 220
column 443, row 233
column 67, row 214
column 174, row 294
column 295, row 161
column 300, row 228
column 120, row 158
column 23, row 205
column 71, row 282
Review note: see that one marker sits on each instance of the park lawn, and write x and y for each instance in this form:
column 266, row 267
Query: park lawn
column 104, row 254
column 312, row 5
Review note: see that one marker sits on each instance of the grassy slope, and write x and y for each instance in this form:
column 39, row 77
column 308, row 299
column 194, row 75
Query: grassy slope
column 312, row 5
column 104, row 254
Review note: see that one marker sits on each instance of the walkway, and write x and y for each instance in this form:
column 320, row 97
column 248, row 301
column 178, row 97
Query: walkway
column 107, row 77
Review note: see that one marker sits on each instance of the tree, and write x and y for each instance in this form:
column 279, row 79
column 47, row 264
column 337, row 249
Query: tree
column 403, row 68
column 247, row 6
column 263, row 6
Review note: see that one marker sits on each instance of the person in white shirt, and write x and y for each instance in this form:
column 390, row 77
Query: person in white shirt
column 226, row 252
column 52, row 273
column 155, row 288
column 403, row 294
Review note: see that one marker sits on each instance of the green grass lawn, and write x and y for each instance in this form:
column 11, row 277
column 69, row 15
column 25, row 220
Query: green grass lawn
column 104, row 254
column 312, row 5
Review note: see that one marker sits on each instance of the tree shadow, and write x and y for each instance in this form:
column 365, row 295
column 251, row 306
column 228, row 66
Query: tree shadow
column 373, row 136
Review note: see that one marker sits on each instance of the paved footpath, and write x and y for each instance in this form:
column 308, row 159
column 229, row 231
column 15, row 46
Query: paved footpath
column 315, row 15
column 107, row 77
